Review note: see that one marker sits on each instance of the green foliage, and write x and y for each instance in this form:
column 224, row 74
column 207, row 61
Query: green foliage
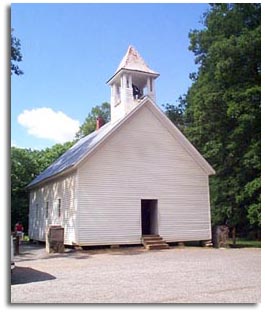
column 16, row 55
column 222, row 115
column 23, row 170
column 176, row 113
column 89, row 124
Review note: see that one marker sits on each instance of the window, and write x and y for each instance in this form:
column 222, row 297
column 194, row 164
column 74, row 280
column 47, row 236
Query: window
column 47, row 210
column 59, row 207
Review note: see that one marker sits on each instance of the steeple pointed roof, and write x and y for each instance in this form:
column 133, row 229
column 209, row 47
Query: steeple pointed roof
column 133, row 61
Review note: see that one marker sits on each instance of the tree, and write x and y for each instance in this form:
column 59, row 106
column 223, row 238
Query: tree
column 176, row 113
column 222, row 115
column 23, row 169
column 16, row 55
column 89, row 124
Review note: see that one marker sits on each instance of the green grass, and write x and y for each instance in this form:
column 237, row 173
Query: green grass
column 25, row 238
column 241, row 243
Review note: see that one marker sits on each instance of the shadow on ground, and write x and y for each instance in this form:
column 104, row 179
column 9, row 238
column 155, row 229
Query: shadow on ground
column 127, row 252
column 244, row 246
column 29, row 252
column 22, row 275
column 120, row 250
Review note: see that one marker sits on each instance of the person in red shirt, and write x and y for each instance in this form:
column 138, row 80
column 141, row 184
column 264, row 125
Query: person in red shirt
column 19, row 230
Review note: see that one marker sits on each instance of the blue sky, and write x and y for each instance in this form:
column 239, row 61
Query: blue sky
column 71, row 50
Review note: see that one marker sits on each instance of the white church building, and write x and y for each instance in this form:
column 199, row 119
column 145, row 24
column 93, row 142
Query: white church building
column 135, row 176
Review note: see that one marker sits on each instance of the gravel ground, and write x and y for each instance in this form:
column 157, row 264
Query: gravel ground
column 133, row 275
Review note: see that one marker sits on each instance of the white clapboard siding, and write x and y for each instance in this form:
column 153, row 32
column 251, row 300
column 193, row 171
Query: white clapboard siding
column 62, row 188
column 141, row 160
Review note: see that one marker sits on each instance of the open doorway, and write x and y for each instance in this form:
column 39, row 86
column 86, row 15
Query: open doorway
column 149, row 216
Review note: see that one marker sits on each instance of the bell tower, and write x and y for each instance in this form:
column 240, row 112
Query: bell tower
column 132, row 81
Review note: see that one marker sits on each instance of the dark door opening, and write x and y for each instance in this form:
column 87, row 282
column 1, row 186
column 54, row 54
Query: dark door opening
column 149, row 216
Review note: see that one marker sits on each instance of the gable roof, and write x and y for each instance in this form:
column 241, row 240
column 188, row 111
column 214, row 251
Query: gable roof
column 85, row 146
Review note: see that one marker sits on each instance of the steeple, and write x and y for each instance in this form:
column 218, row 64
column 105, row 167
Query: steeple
column 132, row 81
column 133, row 61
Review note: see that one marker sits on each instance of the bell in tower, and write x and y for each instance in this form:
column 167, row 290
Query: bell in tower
column 132, row 81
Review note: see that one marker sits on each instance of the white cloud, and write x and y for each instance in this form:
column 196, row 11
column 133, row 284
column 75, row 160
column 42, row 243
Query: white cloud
column 45, row 123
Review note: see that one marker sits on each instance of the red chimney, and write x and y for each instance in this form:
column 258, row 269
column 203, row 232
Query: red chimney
column 100, row 122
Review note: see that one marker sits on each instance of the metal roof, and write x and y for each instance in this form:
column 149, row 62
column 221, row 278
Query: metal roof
column 74, row 154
